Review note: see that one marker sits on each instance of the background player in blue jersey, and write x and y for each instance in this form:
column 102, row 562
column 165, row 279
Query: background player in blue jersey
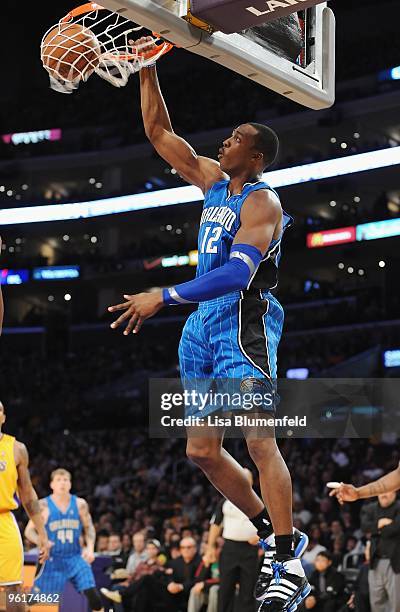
column 235, row 332
column 67, row 519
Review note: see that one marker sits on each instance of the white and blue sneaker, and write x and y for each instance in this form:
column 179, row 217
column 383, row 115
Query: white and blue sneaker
column 288, row 587
column 300, row 543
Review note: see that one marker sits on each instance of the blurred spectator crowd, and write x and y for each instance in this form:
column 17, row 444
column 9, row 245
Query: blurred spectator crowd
column 153, row 507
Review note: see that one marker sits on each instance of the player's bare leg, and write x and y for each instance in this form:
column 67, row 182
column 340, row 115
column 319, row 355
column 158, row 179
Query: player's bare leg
column 222, row 470
column 275, row 480
column 276, row 491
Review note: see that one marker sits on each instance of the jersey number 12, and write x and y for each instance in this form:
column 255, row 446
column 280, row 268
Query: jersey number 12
column 208, row 243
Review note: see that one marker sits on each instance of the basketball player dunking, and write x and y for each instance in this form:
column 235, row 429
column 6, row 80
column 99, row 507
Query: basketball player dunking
column 235, row 332
column 15, row 483
column 65, row 516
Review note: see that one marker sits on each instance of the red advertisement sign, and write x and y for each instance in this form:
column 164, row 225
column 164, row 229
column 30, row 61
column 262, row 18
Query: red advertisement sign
column 331, row 237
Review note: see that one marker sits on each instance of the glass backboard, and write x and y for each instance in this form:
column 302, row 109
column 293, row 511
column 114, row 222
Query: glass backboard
column 294, row 56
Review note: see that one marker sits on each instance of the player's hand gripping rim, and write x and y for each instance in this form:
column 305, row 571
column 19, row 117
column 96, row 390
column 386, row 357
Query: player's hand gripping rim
column 145, row 44
column 137, row 308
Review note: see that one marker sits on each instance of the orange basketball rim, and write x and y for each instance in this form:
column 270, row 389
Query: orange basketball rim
column 110, row 33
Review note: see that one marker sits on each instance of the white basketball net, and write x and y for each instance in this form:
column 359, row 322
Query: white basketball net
column 105, row 50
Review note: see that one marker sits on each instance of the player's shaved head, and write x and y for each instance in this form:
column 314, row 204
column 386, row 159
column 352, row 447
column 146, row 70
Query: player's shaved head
column 250, row 149
column 266, row 142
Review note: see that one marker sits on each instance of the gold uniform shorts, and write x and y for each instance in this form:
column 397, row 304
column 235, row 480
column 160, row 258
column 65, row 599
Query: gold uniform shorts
column 11, row 550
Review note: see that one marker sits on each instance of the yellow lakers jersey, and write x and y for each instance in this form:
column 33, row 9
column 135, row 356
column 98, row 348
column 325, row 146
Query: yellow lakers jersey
column 8, row 474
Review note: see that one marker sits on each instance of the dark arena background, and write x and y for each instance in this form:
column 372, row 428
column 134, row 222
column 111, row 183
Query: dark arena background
column 77, row 393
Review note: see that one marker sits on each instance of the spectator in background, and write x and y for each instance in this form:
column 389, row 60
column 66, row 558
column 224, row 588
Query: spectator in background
column 126, row 544
column 313, row 549
column 337, row 533
column 361, row 599
column 350, row 604
column 381, row 520
column 205, row 590
column 152, row 583
column 114, row 544
column 326, row 509
column 147, row 586
column 348, row 525
column 339, row 456
column 354, row 555
column 103, row 489
column 102, row 543
column 167, row 536
column 301, row 513
column 337, row 552
column 324, row 537
column 139, row 590
column 327, row 586
column 139, row 553
column 184, row 570
column 119, row 556
column 174, row 550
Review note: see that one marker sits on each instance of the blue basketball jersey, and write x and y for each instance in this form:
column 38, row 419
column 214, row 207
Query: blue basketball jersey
column 219, row 224
column 64, row 529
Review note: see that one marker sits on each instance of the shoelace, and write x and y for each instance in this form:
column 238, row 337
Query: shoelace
column 278, row 570
column 263, row 544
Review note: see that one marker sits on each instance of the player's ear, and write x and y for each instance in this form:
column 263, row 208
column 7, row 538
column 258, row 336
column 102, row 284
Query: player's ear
column 258, row 156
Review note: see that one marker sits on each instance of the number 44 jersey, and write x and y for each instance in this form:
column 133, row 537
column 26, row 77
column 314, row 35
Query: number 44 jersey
column 64, row 528
column 65, row 562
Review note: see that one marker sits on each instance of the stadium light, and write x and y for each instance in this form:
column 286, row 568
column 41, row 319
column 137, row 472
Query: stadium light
column 297, row 373
column 286, row 177
column 56, row 273
column 395, row 73
column 13, row 277
column 392, row 358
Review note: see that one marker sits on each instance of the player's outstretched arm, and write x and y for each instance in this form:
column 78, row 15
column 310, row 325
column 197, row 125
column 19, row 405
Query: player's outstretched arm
column 260, row 216
column 88, row 529
column 388, row 483
column 29, row 500
column 200, row 171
